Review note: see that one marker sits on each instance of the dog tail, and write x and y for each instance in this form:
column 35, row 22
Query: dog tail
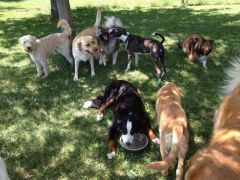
column 113, row 21
column 177, row 133
column 157, row 33
column 62, row 23
column 98, row 18
column 233, row 77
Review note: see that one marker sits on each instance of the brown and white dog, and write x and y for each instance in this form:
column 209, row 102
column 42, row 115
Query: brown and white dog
column 85, row 46
column 220, row 160
column 173, row 129
column 197, row 48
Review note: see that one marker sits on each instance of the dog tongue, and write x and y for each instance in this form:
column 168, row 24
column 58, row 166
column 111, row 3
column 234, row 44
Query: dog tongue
column 96, row 54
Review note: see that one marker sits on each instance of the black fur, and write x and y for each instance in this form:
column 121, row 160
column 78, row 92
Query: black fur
column 126, row 106
column 138, row 44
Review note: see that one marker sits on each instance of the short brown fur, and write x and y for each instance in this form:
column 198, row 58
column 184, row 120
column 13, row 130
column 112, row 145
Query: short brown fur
column 221, row 159
column 173, row 122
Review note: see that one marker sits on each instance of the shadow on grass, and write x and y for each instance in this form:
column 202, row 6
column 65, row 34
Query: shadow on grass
column 26, row 99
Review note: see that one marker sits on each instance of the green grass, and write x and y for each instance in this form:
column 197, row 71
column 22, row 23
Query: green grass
column 44, row 131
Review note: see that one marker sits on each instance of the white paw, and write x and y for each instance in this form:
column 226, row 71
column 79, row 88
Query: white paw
column 99, row 117
column 205, row 66
column 39, row 74
column 100, row 62
column 111, row 154
column 87, row 104
column 156, row 140
column 75, row 78
column 92, row 74
column 126, row 70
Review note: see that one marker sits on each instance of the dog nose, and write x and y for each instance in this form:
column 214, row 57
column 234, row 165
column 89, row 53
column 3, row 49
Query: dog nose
column 29, row 48
column 128, row 143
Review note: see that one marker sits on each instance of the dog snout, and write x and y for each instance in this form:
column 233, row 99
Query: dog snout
column 95, row 49
column 128, row 143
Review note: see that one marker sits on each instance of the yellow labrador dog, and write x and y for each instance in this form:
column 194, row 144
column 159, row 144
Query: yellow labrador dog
column 173, row 129
column 220, row 160
column 85, row 46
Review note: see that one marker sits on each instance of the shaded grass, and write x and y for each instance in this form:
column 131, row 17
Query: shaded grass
column 45, row 133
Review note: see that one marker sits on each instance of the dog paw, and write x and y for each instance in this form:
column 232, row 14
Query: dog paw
column 111, row 154
column 39, row 74
column 75, row 78
column 126, row 70
column 159, row 81
column 156, row 140
column 92, row 74
column 99, row 117
column 87, row 104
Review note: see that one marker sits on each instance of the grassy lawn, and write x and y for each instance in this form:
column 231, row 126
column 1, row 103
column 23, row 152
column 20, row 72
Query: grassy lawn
column 44, row 131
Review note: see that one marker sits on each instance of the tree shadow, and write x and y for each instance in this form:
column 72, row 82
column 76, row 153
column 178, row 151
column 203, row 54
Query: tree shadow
column 26, row 98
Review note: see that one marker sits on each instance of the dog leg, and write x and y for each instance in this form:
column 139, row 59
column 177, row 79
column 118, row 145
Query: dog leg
column 163, row 152
column 181, row 156
column 45, row 67
column 39, row 69
column 65, row 51
column 136, row 59
column 152, row 136
column 76, row 70
column 114, row 56
column 130, row 56
column 103, row 107
column 104, row 60
column 112, row 143
column 204, row 63
column 92, row 66
column 101, row 59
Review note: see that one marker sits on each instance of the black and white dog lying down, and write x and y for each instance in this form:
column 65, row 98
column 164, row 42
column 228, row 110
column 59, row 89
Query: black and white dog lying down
column 136, row 45
column 109, row 45
column 129, row 115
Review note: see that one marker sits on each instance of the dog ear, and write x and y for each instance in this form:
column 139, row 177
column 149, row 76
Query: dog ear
column 79, row 45
column 180, row 91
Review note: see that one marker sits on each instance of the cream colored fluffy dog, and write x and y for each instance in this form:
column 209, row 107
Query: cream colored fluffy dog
column 85, row 46
column 39, row 49
column 220, row 160
column 173, row 129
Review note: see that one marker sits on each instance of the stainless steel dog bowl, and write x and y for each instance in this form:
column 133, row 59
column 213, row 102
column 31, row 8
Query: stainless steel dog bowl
column 140, row 141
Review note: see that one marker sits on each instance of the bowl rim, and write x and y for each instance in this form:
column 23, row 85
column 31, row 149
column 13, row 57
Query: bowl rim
column 138, row 149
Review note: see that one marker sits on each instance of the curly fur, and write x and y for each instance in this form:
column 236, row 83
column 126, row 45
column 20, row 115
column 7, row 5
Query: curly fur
column 39, row 49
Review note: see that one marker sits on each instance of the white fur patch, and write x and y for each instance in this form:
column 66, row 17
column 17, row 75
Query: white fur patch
column 113, row 21
column 156, row 140
column 111, row 154
column 87, row 104
column 127, row 137
column 233, row 77
column 99, row 117
column 168, row 140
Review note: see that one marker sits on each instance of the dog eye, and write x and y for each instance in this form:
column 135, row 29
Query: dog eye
column 87, row 45
column 93, row 42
